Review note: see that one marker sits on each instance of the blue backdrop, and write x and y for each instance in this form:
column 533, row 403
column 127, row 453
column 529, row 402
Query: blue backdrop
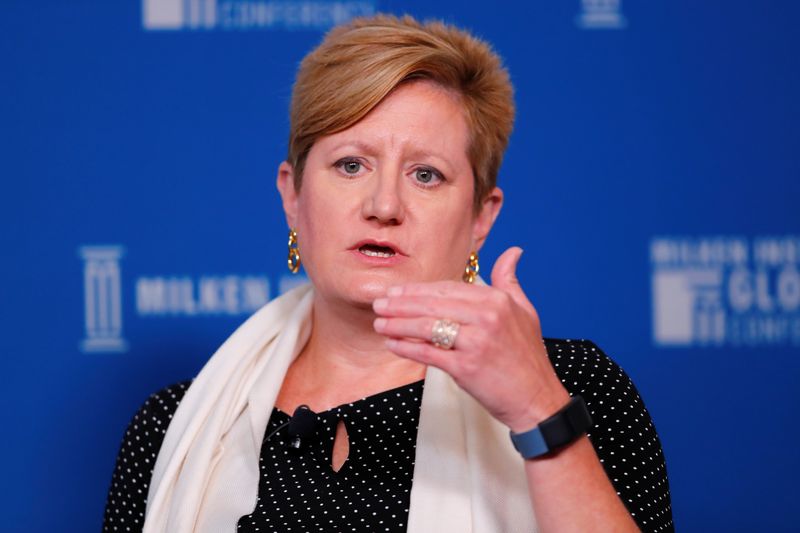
column 653, row 179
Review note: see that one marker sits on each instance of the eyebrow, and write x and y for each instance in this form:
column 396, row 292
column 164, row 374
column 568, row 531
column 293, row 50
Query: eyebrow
column 360, row 145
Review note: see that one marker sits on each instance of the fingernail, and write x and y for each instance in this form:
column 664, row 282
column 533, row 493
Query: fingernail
column 394, row 291
column 391, row 343
column 380, row 304
column 379, row 323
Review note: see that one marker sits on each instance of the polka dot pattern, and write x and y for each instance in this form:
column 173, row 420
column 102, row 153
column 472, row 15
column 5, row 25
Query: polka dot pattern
column 127, row 496
column 623, row 434
column 299, row 491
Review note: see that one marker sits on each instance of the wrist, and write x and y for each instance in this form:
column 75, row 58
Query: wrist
column 538, row 410
column 562, row 428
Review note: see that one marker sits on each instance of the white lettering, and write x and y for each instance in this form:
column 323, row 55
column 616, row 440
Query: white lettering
column 754, row 329
column 230, row 294
column 745, row 295
column 255, row 293
column 776, row 251
column 696, row 253
column 763, row 299
column 180, row 296
column 740, row 292
column 265, row 14
column 789, row 289
column 210, row 295
column 151, row 296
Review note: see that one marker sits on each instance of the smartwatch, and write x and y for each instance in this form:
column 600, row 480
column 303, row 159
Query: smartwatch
column 569, row 423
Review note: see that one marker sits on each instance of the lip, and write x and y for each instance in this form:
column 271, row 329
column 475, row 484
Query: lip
column 384, row 244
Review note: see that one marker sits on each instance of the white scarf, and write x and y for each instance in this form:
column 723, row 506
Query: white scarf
column 467, row 475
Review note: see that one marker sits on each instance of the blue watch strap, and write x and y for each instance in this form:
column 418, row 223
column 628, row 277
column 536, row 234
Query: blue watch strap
column 530, row 443
column 569, row 423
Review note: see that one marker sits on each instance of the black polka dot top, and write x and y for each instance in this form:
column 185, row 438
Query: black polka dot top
column 299, row 491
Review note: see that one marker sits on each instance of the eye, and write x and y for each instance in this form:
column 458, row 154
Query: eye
column 428, row 176
column 349, row 166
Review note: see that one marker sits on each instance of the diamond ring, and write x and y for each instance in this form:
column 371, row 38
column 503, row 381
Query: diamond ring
column 443, row 334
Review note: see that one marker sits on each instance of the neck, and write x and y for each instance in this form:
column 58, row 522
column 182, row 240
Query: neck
column 345, row 359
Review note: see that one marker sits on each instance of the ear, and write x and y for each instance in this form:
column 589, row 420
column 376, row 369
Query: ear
column 285, row 183
column 484, row 220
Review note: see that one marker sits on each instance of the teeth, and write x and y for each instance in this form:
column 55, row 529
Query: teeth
column 374, row 253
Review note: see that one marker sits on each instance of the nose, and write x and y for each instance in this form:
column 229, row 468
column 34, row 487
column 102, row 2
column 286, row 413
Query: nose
column 383, row 202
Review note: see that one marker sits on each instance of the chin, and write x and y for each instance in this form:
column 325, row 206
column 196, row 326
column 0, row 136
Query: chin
column 361, row 290
column 364, row 293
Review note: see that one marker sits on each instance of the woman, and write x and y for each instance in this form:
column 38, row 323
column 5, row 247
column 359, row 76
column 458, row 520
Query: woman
column 397, row 134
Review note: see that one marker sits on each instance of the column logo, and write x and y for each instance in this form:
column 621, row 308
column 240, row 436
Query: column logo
column 102, row 299
column 726, row 291
column 163, row 297
column 601, row 15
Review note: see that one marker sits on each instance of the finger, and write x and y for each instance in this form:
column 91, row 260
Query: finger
column 422, row 352
column 427, row 306
column 417, row 328
column 504, row 277
column 442, row 289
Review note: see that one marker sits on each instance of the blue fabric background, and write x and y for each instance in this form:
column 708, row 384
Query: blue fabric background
column 684, row 123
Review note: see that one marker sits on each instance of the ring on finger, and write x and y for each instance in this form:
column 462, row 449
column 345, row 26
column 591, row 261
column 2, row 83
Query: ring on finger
column 444, row 333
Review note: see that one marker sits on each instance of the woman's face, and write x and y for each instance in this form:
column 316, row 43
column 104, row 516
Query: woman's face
column 389, row 200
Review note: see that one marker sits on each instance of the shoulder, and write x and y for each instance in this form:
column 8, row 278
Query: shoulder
column 623, row 433
column 145, row 432
column 583, row 367
column 155, row 413
column 127, row 495
column 610, row 394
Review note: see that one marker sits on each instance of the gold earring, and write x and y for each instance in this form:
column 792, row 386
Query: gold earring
column 294, row 252
column 472, row 269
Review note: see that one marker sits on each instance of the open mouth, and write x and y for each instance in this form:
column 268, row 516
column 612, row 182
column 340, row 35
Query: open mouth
column 373, row 250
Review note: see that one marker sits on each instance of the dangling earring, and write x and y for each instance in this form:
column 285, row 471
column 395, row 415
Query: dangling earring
column 471, row 271
column 294, row 252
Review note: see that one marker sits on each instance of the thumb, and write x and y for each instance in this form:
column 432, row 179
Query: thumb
column 504, row 276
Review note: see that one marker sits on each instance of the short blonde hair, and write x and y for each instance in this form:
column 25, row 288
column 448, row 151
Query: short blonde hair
column 359, row 63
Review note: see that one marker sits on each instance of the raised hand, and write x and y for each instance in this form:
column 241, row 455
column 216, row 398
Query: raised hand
column 498, row 355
